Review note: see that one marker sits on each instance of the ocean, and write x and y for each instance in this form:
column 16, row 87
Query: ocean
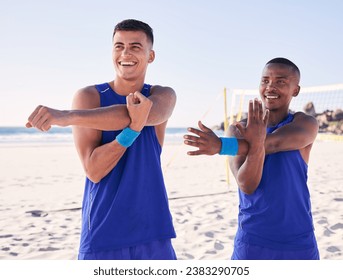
column 63, row 135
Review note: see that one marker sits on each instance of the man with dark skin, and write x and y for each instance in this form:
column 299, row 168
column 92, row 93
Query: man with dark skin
column 270, row 167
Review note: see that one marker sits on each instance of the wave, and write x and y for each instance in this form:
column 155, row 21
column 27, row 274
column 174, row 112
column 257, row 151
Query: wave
column 23, row 135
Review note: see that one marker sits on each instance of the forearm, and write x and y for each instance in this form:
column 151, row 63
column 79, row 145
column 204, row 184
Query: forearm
column 243, row 147
column 298, row 134
column 102, row 160
column 158, row 116
column 283, row 141
column 114, row 117
column 164, row 100
column 249, row 174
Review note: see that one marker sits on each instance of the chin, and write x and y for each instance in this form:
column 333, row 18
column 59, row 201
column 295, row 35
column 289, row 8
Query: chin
column 268, row 106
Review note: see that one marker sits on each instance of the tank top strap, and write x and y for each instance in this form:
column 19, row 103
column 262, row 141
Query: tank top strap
column 102, row 87
column 146, row 90
column 285, row 121
column 109, row 97
column 105, row 87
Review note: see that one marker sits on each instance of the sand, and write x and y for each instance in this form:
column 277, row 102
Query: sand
column 41, row 190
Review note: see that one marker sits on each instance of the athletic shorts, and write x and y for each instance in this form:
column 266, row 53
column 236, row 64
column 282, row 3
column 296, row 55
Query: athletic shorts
column 156, row 250
column 244, row 251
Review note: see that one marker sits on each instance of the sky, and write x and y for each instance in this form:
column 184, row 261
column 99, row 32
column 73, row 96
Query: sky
column 50, row 49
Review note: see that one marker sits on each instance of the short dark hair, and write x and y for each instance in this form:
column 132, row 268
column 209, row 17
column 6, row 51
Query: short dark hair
column 135, row 25
column 285, row 61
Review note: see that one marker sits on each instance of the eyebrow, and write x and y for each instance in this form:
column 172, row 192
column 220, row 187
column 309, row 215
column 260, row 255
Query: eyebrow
column 133, row 43
column 278, row 77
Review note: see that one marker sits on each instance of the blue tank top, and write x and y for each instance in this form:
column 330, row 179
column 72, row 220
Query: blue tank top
column 129, row 206
column 278, row 214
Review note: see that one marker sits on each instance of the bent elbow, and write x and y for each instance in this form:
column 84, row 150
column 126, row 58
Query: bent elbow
column 248, row 189
column 92, row 177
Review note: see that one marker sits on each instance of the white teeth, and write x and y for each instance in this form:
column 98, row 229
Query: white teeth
column 271, row 96
column 127, row 63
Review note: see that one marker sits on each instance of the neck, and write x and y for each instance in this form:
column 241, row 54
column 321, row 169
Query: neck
column 276, row 117
column 124, row 87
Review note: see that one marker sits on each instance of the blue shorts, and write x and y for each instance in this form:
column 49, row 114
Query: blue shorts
column 244, row 251
column 156, row 250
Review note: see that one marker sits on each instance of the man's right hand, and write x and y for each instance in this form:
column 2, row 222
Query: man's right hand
column 44, row 117
column 255, row 130
column 138, row 107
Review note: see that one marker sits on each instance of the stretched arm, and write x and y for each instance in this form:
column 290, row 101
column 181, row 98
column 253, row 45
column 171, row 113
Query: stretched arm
column 208, row 143
column 247, row 169
column 247, row 165
column 83, row 115
column 297, row 135
column 164, row 100
column 98, row 160
column 113, row 117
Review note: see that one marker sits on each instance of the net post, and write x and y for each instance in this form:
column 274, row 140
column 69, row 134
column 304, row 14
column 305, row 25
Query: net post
column 226, row 128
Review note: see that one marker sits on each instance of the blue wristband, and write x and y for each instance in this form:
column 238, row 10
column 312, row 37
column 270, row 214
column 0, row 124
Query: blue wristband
column 229, row 146
column 127, row 137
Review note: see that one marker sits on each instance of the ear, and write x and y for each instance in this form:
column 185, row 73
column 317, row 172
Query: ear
column 296, row 91
column 151, row 56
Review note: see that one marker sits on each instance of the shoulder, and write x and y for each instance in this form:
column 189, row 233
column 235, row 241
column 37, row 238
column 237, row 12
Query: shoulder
column 301, row 117
column 87, row 97
column 233, row 130
column 87, row 91
column 157, row 89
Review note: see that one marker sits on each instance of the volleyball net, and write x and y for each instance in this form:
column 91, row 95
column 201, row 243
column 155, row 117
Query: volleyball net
column 323, row 102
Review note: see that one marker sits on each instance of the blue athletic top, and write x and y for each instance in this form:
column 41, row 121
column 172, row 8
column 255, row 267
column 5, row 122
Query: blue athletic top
column 278, row 214
column 129, row 206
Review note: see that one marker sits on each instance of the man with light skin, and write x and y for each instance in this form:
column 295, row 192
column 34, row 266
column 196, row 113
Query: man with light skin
column 118, row 130
column 269, row 159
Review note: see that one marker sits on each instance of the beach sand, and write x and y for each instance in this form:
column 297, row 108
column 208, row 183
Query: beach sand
column 41, row 191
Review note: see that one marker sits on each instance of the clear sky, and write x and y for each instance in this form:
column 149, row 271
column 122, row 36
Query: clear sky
column 49, row 49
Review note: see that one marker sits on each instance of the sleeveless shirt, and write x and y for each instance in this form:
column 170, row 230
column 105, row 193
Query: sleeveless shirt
column 129, row 206
column 278, row 214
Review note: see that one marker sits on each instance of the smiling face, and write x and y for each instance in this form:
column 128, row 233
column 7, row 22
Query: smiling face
column 279, row 84
column 131, row 54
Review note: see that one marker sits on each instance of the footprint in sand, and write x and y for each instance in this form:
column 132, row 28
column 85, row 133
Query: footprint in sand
column 37, row 213
column 188, row 256
column 218, row 246
column 179, row 221
column 212, row 252
column 328, row 232
column 6, row 236
column 323, row 221
column 337, row 226
column 333, row 249
column 48, row 249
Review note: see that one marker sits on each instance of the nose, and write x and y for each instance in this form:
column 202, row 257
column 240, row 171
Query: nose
column 270, row 86
column 126, row 52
